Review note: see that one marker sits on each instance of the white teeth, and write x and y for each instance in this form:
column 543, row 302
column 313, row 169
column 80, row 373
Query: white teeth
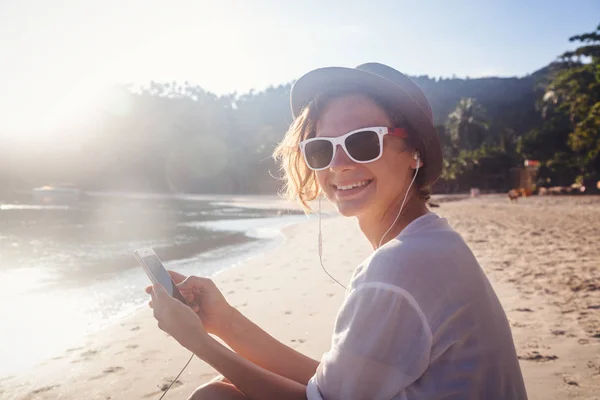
column 354, row 185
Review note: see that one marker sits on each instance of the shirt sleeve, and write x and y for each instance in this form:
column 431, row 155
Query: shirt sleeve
column 381, row 344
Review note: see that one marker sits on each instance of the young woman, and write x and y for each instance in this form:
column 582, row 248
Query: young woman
column 420, row 319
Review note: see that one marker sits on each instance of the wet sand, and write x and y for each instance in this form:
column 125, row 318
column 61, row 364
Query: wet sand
column 541, row 254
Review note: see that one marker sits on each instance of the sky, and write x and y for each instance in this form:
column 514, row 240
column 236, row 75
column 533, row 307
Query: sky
column 57, row 55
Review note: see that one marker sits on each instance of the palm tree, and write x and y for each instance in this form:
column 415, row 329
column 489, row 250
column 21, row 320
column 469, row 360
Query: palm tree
column 467, row 124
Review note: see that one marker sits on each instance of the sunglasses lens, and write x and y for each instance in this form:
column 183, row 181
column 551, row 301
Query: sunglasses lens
column 318, row 153
column 363, row 146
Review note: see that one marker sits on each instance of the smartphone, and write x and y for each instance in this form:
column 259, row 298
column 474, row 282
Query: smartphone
column 157, row 273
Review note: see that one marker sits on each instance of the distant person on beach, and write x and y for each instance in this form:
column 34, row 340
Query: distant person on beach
column 420, row 319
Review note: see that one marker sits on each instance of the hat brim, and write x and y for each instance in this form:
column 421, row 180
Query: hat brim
column 323, row 80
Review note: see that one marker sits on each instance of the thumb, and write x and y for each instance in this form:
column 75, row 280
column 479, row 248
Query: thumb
column 159, row 290
column 189, row 283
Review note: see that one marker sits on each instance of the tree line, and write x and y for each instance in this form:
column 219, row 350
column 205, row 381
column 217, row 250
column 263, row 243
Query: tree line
column 172, row 137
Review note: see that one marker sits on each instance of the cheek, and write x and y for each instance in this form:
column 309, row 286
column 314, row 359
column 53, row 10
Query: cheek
column 391, row 175
column 386, row 173
column 321, row 178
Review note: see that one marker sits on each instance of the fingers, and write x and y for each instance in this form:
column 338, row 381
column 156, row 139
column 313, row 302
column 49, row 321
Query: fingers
column 151, row 292
column 187, row 283
column 193, row 282
column 148, row 289
column 189, row 297
column 159, row 291
column 177, row 277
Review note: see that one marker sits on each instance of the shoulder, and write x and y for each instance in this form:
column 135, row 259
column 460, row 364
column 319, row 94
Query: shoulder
column 423, row 251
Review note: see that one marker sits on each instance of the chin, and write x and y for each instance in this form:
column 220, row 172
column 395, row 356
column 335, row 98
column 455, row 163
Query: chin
column 351, row 208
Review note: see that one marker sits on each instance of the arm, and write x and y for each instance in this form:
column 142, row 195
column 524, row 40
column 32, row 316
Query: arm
column 241, row 334
column 255, row 382
column 257, row 346
column 183, row 324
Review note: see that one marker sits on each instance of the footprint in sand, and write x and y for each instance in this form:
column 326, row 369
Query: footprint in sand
column 594, row 367
column 85, row 356
column 287, row 312
column 231, row 292
column 168, row 381
column 570, row 381
column 525, row 309
column 132, row 346
column 583, row 341
column 111, row 370
column 44, row 389
column 558, row 332
column 164, row 386
column 135, row 328
column 535, row 356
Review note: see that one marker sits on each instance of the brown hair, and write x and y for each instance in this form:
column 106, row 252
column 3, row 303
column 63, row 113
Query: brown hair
column 300, row 182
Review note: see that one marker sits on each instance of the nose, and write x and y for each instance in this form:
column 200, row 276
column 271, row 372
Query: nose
column 341, row 161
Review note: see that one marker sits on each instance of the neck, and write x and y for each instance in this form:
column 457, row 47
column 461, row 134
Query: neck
column 375, row 227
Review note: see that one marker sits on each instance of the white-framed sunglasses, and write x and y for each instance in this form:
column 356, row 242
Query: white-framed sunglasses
column 362, row 146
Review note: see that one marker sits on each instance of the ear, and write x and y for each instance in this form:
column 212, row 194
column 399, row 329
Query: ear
column 416, row 162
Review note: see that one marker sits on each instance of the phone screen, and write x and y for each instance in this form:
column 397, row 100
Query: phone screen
column 160, row 274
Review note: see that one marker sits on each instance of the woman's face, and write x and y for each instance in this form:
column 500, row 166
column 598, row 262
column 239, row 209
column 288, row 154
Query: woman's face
column 383, row 183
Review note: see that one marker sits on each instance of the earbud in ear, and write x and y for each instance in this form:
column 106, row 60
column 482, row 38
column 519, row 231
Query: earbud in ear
column 417, row 158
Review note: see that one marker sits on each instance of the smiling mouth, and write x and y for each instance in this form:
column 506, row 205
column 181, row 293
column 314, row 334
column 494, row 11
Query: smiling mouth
column 353, row 186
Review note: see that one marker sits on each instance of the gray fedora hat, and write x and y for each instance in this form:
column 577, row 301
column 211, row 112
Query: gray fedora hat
column 387, row 84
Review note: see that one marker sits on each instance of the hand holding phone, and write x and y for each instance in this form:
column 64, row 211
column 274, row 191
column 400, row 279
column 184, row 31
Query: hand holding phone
column 157, row 273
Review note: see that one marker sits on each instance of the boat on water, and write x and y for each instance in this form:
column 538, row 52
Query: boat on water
column 52, row 195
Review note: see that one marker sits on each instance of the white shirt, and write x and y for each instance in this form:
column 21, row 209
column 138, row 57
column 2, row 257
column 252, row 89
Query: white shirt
column 420, row 321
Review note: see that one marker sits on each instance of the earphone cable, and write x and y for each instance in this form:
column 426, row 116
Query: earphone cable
column 402, row 206
column 321, row 247
column 320, row 236
column 177, row 377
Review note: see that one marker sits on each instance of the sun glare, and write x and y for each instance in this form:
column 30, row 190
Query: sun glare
column 56, row 110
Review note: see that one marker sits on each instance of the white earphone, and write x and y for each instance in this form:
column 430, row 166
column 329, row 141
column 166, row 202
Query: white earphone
column 417, row 158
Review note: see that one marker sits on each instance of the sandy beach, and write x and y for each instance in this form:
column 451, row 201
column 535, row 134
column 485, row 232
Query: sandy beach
column 541, row 254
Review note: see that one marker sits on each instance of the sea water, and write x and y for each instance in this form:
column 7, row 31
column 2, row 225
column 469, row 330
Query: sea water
column 66, row 271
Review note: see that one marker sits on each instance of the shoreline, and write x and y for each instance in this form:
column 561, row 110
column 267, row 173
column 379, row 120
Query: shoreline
column 285, row 291
column 242, row 241
column 40, row 381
